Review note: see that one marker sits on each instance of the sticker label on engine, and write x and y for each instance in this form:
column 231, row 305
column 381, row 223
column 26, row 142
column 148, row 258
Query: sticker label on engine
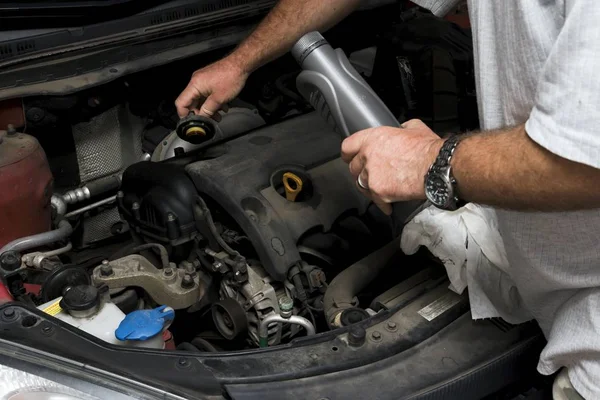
column 439, row 306
column 53, row 308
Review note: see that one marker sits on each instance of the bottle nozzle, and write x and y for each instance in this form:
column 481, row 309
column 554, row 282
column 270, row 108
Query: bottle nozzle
column 306, row 45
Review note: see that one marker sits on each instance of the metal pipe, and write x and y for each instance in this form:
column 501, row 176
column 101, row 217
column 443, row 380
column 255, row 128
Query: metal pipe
column 58, row 203
column 63, row 231
column 77, row 195
column 35, row 259
column 164, row 254
column 92, row 189
column 263, row 330
column 91, row 206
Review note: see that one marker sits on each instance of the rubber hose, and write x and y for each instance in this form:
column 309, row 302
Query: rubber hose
column 104, row 185
column 63, row 231
column 347, row 284
column 126, row 301
column 203, row 344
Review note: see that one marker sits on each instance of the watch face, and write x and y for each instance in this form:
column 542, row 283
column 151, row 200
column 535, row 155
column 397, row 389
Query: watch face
column 438, row 190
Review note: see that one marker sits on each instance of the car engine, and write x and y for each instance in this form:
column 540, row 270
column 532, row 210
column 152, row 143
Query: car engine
column 236, row 231
column 226, row 210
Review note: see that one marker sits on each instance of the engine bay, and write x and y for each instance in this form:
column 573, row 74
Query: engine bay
column 217, row 235
column 144, row 255
column 231, row 235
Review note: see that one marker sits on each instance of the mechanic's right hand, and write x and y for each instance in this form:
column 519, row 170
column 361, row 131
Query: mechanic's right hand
column 211, row 88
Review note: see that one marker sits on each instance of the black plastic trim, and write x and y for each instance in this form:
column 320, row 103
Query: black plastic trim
column 324, row 360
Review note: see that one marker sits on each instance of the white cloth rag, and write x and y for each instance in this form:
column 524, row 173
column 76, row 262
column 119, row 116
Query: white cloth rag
column 468, row 243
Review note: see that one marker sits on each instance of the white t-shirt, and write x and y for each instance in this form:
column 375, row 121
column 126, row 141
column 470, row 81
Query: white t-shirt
column 538, row 62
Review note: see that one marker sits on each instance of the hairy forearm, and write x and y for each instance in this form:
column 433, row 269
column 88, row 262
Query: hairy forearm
column 285, row 24
column 507, row 169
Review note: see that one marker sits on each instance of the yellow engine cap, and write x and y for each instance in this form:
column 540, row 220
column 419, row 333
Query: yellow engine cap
column 195, row 131
column 292, row 184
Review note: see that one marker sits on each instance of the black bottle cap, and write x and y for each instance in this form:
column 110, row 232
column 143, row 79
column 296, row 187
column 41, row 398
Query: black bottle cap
column 80, row 298
column 10, row 260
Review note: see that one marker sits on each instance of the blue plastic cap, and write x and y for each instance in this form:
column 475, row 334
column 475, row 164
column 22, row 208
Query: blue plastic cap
column 144, row 324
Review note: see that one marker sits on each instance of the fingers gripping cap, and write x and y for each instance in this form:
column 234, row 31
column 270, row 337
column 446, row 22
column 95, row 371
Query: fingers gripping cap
column 306, row 45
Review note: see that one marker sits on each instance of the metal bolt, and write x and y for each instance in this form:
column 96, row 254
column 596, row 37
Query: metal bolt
column 168, row 271
column 188, row 267
column 47, row 329
column 9, row 313
column 286, row 304
column 392, row 325
column 170, row 217
column 218, row 266
column 183, row 362
column 376, row 335
column 105, row 268
column 135, row 206
column 187, row 281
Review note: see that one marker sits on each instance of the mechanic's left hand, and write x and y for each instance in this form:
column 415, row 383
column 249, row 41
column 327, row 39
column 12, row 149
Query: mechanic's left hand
column 392, row 162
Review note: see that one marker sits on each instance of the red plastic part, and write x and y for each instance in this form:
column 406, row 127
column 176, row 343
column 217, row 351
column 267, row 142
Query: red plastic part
column 5, row 296
column 32, row 288
column 169, row 340
column 26, row 183
column 11, row 112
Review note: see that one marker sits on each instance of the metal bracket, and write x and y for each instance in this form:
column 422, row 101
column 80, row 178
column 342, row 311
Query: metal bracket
column 171, row 286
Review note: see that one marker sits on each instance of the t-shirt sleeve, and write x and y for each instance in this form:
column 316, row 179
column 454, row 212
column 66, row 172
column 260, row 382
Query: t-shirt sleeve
column 437, row 7
column 566, row 116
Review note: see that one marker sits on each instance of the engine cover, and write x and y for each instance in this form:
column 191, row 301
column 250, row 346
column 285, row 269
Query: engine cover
column 246, row 180
column 244, row 176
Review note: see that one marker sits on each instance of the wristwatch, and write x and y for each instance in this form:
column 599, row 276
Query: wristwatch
column 440, row 185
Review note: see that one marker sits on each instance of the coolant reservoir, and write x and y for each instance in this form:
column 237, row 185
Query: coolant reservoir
column 83, row 308
column 26, row 183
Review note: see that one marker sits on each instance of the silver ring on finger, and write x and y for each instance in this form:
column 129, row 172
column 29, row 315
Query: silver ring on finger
column 361, row 184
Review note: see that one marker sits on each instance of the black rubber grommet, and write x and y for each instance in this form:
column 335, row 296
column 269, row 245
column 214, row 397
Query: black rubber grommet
column 357, row 336
column 10, row 260
column 352, row 316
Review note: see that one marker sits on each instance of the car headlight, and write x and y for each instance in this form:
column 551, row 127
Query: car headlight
column 27, row 373
column 20, row 385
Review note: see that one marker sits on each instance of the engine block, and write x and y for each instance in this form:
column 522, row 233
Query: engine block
column 244, row 176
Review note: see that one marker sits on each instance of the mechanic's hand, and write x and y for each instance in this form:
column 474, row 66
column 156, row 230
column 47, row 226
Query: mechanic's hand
column 392, row 162
column 211, row 88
